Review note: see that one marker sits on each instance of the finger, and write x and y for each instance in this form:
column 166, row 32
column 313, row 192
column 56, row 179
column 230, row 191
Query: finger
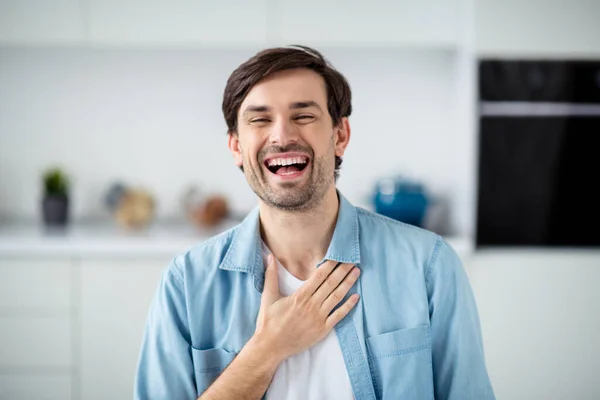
column 331, row 283
column 317, row 278
column 341, row 312
column 271, row 288
column 338, row 294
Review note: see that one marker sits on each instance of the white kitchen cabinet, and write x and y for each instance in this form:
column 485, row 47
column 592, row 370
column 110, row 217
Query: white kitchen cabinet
column 24, row 22
column 38, row 387
column 191, row 23
column 34, row 342
column 344, row 23
column 37, row 323
column 231, row 23
column 540, row 311
column 35, row 283
column 116, row 296
column 538, row 28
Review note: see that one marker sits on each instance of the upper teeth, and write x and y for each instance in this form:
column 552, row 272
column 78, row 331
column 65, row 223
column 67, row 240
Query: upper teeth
column 287, row 161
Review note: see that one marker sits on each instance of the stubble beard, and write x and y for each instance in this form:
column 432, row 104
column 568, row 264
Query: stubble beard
column 294, row 196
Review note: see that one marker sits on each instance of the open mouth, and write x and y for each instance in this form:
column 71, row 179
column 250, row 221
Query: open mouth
column 286, row 166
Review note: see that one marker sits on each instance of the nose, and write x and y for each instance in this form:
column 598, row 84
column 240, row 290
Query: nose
column 283, row 132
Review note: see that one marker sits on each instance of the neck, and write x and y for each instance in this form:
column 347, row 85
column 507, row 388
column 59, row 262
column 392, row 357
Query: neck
column 300, row 239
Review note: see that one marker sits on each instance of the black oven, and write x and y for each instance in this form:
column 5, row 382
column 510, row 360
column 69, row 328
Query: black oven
column 539, row 153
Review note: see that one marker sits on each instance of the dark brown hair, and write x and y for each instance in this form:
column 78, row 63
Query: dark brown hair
column 278, row 59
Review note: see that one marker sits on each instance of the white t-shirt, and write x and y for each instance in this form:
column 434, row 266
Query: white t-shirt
column 318, row 373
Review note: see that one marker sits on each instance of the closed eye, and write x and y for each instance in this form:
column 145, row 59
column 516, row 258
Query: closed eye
column 260, row 120
column 304, row 117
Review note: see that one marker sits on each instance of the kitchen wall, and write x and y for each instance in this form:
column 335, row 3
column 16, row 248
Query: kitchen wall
column 152, row 118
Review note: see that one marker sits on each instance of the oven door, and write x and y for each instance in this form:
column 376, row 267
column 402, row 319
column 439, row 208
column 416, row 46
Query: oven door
column 539, row 181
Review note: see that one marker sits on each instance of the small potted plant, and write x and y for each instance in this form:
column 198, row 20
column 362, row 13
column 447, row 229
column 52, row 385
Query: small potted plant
column 55, row 203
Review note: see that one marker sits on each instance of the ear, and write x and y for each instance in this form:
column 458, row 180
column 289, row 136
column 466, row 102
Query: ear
column 342, row 136
column 233, row 142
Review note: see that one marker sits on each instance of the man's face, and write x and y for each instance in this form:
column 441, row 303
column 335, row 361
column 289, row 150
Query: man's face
column 286, row 141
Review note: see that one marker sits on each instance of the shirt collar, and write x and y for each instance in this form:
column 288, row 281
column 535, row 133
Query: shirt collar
column 245, row 255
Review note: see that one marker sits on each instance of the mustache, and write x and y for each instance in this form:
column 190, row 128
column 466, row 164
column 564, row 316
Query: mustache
column 268, row 151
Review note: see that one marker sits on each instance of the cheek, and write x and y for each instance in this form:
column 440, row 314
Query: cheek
column 249, row 148
column 247, row 157
column 317, row 137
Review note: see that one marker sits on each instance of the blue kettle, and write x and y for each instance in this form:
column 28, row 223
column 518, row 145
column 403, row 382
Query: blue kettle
column 401, row 199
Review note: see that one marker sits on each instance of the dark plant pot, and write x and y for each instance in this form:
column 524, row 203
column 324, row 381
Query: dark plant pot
column 56, row 210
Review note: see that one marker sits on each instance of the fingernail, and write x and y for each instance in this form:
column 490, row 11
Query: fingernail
column 354, row 298
column 356, row 272
column 270, row 258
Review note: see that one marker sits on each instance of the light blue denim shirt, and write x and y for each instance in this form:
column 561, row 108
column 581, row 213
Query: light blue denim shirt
column 415, row 333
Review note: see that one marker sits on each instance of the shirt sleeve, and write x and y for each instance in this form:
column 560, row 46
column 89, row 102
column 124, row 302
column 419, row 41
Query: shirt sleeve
column 165, row 368
column 459, row 368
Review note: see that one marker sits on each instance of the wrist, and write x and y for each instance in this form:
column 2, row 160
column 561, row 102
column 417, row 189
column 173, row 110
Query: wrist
column 266, row 354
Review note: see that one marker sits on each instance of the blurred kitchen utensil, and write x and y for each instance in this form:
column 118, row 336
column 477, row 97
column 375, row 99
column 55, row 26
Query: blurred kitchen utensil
column 401, row 199
column 205, row 210
column 133, row 208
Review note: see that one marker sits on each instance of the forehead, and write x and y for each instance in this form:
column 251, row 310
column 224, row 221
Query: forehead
column 289, row 86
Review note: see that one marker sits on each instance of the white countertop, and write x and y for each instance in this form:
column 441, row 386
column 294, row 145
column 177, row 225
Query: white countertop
column 108, row 239
column 102, row 239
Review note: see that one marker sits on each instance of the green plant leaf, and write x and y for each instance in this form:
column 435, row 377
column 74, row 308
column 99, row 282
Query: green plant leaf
column 56, row 182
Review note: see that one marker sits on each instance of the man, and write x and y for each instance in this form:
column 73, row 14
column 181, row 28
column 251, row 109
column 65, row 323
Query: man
column 309, row 297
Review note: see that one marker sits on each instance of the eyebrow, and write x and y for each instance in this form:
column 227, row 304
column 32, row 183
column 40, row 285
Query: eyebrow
column 294, row 106
column 304, row 104
column 253, row 108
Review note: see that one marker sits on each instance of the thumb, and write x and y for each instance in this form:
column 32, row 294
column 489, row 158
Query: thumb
column 271, row 289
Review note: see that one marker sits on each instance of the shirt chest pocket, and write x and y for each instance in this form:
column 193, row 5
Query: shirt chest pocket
column 208, row 365
column 400, row 364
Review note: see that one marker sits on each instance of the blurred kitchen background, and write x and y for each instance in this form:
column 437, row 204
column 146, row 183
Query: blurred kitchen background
column 477, row 119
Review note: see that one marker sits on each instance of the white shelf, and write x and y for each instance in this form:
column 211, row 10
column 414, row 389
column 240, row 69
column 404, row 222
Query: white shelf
column 102, row 239
column 107, row 239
